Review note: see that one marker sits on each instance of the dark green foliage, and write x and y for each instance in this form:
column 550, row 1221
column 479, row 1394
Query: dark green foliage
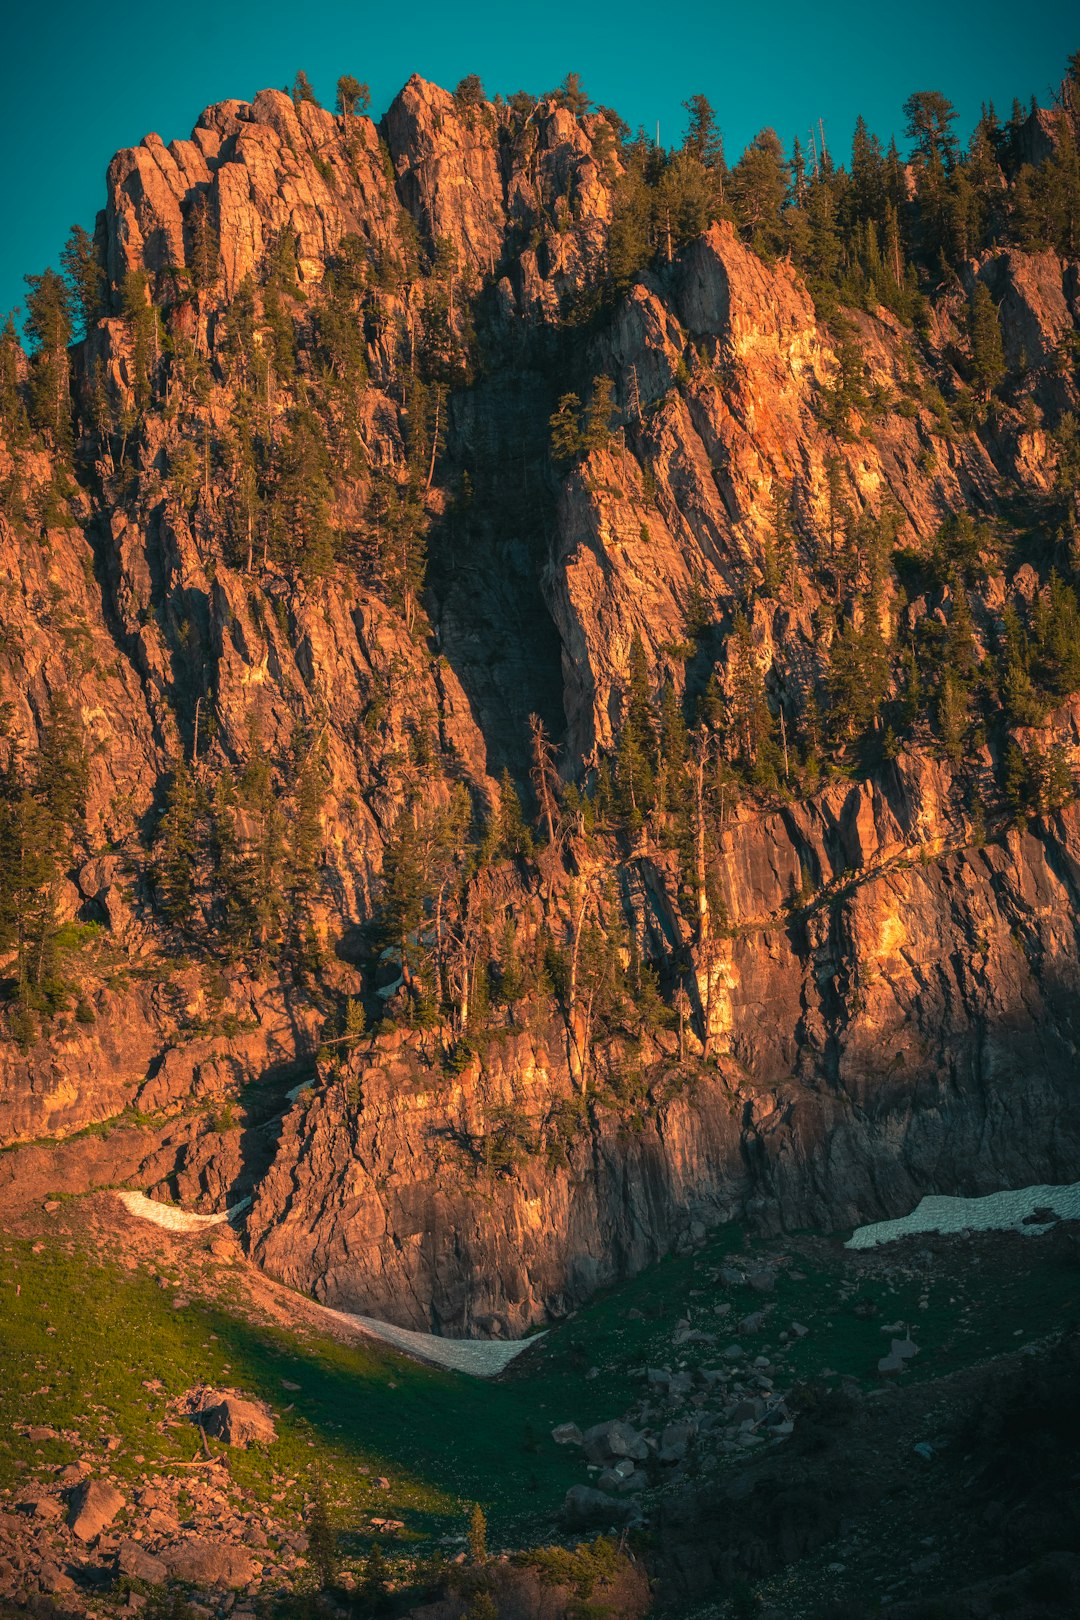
column 507, row 834
column 178, row 847
column 661, row 202
column 929, row 119
column 42, row 807
column 322, row 1538
column 85, row 277
column 470, row 92
column 373, row 1582
column 425, row 857
column 48, row 326
column 144, row 332
column 1055, row 640
column 749, row 727
column 858, row 675
column 353, row 96
column 567, row 439
column 635, row 760
column 984, row 336
column 571, row 96
column 597, row 434
column 204, row 248
column 299, row 497
column 302, row 91
column 1036, row 781
column 759, row 186
column 13, row 422
column 237, row 853
column 339, row 327
column 703, row 139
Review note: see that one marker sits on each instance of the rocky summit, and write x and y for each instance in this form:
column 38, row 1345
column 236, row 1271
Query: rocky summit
column 540, row 693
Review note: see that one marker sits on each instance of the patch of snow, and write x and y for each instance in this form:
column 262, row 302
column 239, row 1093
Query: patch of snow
column 483, row 1358
column 173, row 1218
column 997, row 1212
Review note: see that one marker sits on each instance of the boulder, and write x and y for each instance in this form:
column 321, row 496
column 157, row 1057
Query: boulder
column 37, row 1503
column 93, row 1506
column 614, row 1439
column 237, row 1421
column 566, row 1434
column 202, row 1562
column 585, row 1507
column 140, row 1565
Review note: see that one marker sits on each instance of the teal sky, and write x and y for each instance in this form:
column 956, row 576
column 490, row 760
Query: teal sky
column 84, row 80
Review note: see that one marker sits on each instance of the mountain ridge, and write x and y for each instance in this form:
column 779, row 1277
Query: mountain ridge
column 386, row 439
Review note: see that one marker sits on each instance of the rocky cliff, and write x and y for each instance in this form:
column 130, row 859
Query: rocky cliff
column 792, row 931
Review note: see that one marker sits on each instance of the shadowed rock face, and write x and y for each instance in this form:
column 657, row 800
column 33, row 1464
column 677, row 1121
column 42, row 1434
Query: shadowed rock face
column 892, row 1002
column 896, row 1042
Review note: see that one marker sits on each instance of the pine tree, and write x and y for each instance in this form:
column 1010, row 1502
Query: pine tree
column 373, row 1581
column 478, row 1547
column 703, row 139
column 759, row 185
column 403, row 887
column 598, row 434
column 929, row 118
column 470, row 92
column 302, row 91
column 544, row 775
column 48, row 326
column 85, row 277
column 301, row 529
column 984, row 336
column 567, row 440
column 866, row 197
column 750, row 727
column 322, row 1538
column 144, row 331
column 305, row 824
column 571, row 96
column 402, row 545
column 12, row 413
column 508, row 834
column 353, row 97
column 673, row 752
column 635, row 758
column 204, row 251
column 953, row 715
column 629, row 239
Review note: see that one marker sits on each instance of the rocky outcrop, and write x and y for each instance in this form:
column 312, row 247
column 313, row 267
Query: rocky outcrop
column 905, row 1027
column 886, row 1004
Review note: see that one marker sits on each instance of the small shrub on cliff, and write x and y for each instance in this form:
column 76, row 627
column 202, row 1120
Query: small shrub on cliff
column 470, row 92
column 353, row 96
column 302, row 91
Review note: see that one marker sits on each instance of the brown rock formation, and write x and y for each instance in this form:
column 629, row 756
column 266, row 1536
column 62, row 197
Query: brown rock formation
column 883, row 1000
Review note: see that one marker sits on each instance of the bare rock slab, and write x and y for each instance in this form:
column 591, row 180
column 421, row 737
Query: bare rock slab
column 94, row 1506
